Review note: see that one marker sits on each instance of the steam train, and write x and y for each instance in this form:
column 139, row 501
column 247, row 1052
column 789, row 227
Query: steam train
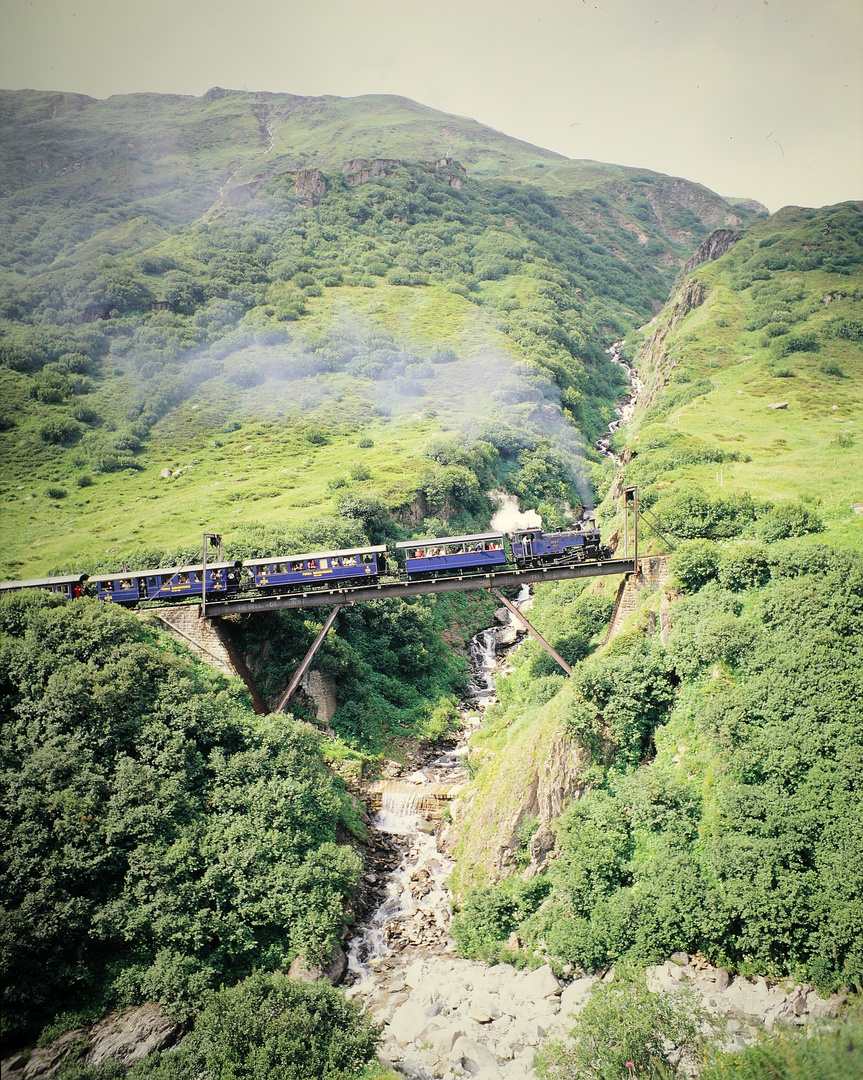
column 334, row 569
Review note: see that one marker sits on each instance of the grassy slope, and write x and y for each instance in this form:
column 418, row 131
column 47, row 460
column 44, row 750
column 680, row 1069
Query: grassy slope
column 809, row 450
column 284, row 475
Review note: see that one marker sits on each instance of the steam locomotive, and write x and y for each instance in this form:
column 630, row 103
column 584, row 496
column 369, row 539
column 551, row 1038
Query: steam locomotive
column 343, row 568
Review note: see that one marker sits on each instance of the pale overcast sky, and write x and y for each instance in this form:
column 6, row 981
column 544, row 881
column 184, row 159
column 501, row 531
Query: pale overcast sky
column 755, row 98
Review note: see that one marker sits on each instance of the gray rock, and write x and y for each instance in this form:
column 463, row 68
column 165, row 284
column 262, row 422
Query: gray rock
column 540, row 983
column 575, row 996
column 132, row 1035
column 472, row 1056
column 445, row 1038
column 407, row 1023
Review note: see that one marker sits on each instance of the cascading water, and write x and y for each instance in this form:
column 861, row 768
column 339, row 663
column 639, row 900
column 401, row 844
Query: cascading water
column 625, row 410
column 414, row 913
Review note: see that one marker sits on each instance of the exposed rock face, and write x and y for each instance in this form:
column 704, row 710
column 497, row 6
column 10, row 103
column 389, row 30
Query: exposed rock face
column 713, row 247
column 654, row 364
column 126, row 1037
column 360, row 171
column 310, row 185
column 132, row 1035
column 241, row 194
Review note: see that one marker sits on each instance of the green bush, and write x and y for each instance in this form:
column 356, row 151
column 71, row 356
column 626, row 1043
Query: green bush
column 788, row 519
column 695, row 563
column 743, row 566
column 690, row 512
column 271, row 1027
column 626, row 1030
column 831, row 1054
column 56, row 492
column 158, row 839
column 60, row 429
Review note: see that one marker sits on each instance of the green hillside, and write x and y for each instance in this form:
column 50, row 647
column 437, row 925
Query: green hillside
column 754, row 374
column 317, row 322
column 717, row 736
column 180, row 297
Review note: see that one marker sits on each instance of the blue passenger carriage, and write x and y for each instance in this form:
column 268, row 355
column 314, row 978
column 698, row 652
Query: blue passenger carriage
column 350, row 566
column 169, row 583
column 68, row 585
column 447, row 553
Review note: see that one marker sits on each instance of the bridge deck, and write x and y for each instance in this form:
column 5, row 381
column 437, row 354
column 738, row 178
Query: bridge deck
column 416, row 587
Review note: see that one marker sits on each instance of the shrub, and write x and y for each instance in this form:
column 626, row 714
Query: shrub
column 788, row 519
column 360, row 471
column 398, row 276
column 60, row 429
column 84, row 480
column 743, row 566
column 830, row 367
column 271, row 1027
column 626, row 1030
column 695, row 563
column 365, row 443
column 55, row 492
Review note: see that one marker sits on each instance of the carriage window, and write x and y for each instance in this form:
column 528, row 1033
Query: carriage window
column 107, row 586
column 323, row 564
column 349, row 560
column 153, row 582
column 279, row 568
column 126, row 583
column 312, row 564
column 455, row 549
column 417, row 553
column 336, row 561
column 296, row 567
column 196, row 576
column 493, row 545
column 368, row 557
column 182, row 579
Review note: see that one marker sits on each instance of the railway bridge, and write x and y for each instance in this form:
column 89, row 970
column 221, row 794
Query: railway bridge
column 209, row 641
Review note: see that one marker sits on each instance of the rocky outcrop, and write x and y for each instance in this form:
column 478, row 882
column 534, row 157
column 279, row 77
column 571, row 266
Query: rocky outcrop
column 310, row 185
column 241, row 194
column 321, row 690
column 713, row 247
column 654, row 364
column 747, row 1006
column 361, row 171
column 126, row 1037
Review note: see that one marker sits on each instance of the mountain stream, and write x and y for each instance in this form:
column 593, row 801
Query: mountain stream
column 444, row 1017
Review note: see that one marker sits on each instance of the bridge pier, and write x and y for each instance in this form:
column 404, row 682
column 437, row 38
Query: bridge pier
column 210, row 641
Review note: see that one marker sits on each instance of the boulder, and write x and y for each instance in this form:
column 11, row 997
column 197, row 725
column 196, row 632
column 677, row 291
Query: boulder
column 334, row 969
column 131, row 1035
column 541, row 983
column 472, row 1056
column 575, row 996
column 445, row 1038
column 407, row 1023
